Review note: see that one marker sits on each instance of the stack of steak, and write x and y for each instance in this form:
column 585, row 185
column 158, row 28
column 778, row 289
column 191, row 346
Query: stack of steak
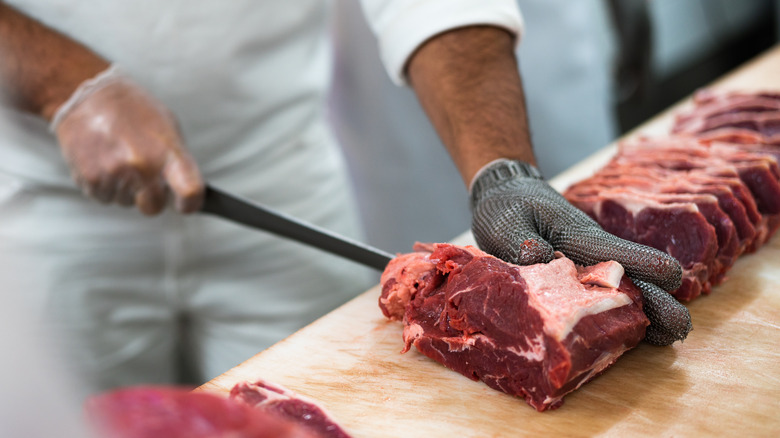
column 706, row 194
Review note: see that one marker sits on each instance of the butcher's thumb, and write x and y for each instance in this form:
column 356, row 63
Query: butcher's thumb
column 532, row 249
column 522, row 247
column 185, row 182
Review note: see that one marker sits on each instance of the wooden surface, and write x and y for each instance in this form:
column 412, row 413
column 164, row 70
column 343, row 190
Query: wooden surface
column 724, row 380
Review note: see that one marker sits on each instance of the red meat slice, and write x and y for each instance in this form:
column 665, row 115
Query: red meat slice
column 283, row 403
column 736, row 135
column 657, row 181
column 759, row 172
column 164, row 412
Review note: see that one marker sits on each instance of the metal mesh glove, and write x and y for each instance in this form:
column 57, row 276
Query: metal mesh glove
column 520, row 219
column 669, row 320
column 124, row 146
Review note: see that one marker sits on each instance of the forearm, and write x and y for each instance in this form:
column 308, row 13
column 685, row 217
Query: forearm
column 39, row 67
column 468, row 82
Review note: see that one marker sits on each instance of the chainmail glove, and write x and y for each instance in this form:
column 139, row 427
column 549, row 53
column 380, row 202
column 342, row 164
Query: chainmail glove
column 520, row 219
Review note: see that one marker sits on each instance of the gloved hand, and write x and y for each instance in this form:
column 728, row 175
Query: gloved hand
column 124, row 146
column 519, row 218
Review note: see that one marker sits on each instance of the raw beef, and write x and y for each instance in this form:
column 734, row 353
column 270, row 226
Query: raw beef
column 734, row 196
column 702, row 201
column 709, row 104
column 163, row 412
column 284, row 403
column 537, row 332
column 734, row 117
column 655, row 181
column 681, row 225
column 758, row 171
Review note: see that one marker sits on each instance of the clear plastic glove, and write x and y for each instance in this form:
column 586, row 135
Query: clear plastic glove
column 123, row 146
column 519, row 218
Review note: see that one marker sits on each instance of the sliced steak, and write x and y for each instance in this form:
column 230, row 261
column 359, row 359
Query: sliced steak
column 655, row 181
column 734, row 117
column 678, row 228
column 759, row 172
column 727, row 243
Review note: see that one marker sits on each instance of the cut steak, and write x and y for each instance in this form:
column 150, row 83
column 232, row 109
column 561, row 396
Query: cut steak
column 588, row 196
column 537, row 332
column 734, row 117
column 704, row 202
column 656, row 181
column 764, row 124
column 735, row 135
column 758, row 171
column 166, row 412
column 284, row 403
column 657, row 220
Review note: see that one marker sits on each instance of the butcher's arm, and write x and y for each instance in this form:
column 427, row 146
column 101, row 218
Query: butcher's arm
column 468, row 82
column 122, row 145
column 40, row 68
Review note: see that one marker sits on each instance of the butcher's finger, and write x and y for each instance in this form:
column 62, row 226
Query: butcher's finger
column 125, row 195
column 105, row 190
column 519, row 246
column 589, row 245
column 670, row 321
column 151, row 199
column 186, row 184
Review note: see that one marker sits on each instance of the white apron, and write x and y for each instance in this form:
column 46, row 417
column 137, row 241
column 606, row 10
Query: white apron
column 138, row 300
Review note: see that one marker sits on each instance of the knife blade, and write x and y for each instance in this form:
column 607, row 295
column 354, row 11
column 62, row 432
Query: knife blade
column 243, row 211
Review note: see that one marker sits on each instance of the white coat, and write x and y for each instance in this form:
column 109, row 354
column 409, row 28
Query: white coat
column 136, row 299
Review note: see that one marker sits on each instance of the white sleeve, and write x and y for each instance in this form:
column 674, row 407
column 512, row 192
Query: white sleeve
column 403, row 25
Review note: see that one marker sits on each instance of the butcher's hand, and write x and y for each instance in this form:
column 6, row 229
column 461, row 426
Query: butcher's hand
column 519, row 218
column 123, row 146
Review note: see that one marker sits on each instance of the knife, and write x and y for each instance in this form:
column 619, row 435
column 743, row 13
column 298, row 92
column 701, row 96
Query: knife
column 234, row 208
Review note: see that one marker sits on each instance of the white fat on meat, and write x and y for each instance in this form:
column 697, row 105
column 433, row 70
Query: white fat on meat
column 562, row 300
column 411, row 333
column 607, row 274
column 635, row 205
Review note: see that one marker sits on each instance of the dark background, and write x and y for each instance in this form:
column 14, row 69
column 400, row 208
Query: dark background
column 730, row 33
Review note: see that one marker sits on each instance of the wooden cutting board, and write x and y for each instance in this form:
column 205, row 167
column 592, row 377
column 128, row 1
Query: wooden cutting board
column 724, row 380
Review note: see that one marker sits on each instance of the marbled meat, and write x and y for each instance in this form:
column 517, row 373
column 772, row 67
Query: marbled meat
column 536, row 332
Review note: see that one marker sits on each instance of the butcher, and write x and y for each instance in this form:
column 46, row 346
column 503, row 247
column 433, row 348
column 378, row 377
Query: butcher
column 114, row 114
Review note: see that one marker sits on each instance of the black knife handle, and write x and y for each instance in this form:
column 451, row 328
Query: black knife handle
column 245, row 212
